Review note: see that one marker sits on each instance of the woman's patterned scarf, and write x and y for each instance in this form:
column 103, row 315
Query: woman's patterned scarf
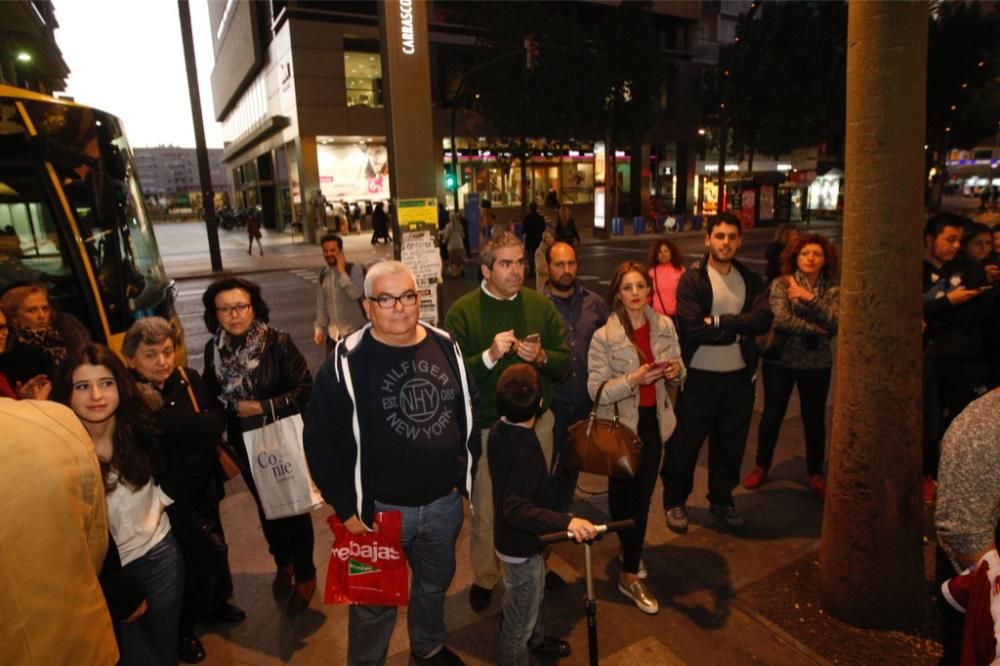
column 235, row 360
column 47, row 340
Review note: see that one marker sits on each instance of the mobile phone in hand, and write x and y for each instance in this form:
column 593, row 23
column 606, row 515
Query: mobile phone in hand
column 534, row 337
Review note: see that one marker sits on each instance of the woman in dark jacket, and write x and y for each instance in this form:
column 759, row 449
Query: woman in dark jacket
column 805, row 302
column 255, row 370
column 191, row 423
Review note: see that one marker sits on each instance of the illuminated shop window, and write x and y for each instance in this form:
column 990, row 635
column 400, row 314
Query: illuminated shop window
column 363, row 72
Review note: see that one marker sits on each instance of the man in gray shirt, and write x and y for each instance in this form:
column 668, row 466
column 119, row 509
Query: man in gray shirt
column 721, row 307
column 338, row 304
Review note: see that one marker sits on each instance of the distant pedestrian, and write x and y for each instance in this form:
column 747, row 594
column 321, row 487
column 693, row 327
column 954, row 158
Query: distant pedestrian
column 541, row 262
column 338, row 295
column 318, row 203
column 531, row 230
column 566, row 231
column 552, row 199
column 666, row 266
column 453, row 239
column 380, row 225
column 786, row 236
column 442, row 220
column 487, row 219
column 253, row 232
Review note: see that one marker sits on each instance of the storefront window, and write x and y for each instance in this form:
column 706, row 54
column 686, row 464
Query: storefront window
column 363, row 72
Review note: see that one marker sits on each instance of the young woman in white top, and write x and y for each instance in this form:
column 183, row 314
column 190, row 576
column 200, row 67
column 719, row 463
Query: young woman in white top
column 94, row 383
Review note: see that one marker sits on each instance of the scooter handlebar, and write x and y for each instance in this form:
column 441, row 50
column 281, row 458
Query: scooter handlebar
column 615, row 526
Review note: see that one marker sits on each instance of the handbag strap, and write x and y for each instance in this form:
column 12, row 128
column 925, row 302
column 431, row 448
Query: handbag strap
column 597, row 400
column 194, row 400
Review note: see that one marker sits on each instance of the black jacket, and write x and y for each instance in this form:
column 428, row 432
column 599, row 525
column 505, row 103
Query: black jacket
column 281, row 380
column 334, row 443
column 694, row 303
column 522, row 491
column 190, row 438
column 955, row 332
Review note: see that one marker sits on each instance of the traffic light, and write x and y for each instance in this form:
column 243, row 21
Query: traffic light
column 530, row 53
column 450, row 182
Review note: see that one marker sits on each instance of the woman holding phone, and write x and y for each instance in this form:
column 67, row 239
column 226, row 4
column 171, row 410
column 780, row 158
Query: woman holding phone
column 634, row 356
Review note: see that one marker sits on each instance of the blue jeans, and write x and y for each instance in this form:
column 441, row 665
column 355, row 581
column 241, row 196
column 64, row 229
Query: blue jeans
column 429, row 533
column 524, row 589
column 152, row 639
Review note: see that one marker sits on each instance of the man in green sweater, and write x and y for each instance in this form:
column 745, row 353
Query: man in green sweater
column 497, row 325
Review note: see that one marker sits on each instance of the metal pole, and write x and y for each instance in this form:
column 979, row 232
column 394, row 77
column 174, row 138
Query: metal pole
column 591, row 601
column 454, row 150
column 204, row 175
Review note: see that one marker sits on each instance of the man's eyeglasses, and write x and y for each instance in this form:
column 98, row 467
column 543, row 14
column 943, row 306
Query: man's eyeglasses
column 387, row 301
column 227, row 310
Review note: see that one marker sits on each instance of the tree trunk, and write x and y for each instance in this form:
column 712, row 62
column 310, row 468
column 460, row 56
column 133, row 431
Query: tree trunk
column 871, row 566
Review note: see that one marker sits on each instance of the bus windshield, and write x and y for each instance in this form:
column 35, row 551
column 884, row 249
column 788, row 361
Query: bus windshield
column 78, row 166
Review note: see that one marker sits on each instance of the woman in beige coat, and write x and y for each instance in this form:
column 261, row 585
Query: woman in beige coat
column 635, row 356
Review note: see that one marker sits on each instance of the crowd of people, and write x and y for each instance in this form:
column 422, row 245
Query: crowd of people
column 408, row 417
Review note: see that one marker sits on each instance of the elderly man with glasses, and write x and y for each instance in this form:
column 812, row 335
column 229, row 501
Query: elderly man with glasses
column 392, row 426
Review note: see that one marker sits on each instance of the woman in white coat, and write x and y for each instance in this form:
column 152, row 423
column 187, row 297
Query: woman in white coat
column 635, row 356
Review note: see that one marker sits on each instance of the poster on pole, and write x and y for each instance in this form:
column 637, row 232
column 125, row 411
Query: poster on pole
column 419, row 251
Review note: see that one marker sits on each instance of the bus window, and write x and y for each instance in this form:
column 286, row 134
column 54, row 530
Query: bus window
column 97, row 173
column 31, row 247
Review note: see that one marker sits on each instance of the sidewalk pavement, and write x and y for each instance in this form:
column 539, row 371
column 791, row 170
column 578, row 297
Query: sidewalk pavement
column 697, row 579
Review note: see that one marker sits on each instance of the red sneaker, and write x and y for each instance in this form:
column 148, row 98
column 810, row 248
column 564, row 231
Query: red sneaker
column 755, row 479
column 930, row 490
column 817, row 485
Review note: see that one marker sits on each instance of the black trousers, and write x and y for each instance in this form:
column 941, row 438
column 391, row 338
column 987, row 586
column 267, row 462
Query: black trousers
column 814, row 385
column 717, row 405
column 289, row 540
column 947, row 391
column 629, row 498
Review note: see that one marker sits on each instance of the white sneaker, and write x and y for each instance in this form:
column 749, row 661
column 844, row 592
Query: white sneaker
column 639, row 594
column 642, row 573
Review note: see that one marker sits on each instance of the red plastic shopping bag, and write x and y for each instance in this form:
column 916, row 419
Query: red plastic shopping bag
column 368, row 569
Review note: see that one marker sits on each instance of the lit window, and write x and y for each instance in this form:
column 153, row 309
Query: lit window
column 363, row 75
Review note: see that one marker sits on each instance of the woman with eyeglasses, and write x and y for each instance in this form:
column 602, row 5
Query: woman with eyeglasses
column 256, row 370
column 632, row 360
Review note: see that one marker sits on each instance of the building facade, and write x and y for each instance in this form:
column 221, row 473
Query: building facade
column 298, row 89
column 170, row 179
column 29, row 56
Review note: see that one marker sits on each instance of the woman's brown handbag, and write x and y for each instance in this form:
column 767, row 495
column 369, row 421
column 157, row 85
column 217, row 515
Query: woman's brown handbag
column 603, row 446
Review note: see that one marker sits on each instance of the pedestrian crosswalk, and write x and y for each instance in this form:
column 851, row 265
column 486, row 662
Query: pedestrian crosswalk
column 310, row 275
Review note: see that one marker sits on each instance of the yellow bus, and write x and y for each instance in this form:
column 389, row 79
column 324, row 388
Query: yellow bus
column 72, row 216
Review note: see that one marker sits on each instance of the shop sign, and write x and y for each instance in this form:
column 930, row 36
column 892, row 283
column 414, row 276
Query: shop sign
column 406, row 27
